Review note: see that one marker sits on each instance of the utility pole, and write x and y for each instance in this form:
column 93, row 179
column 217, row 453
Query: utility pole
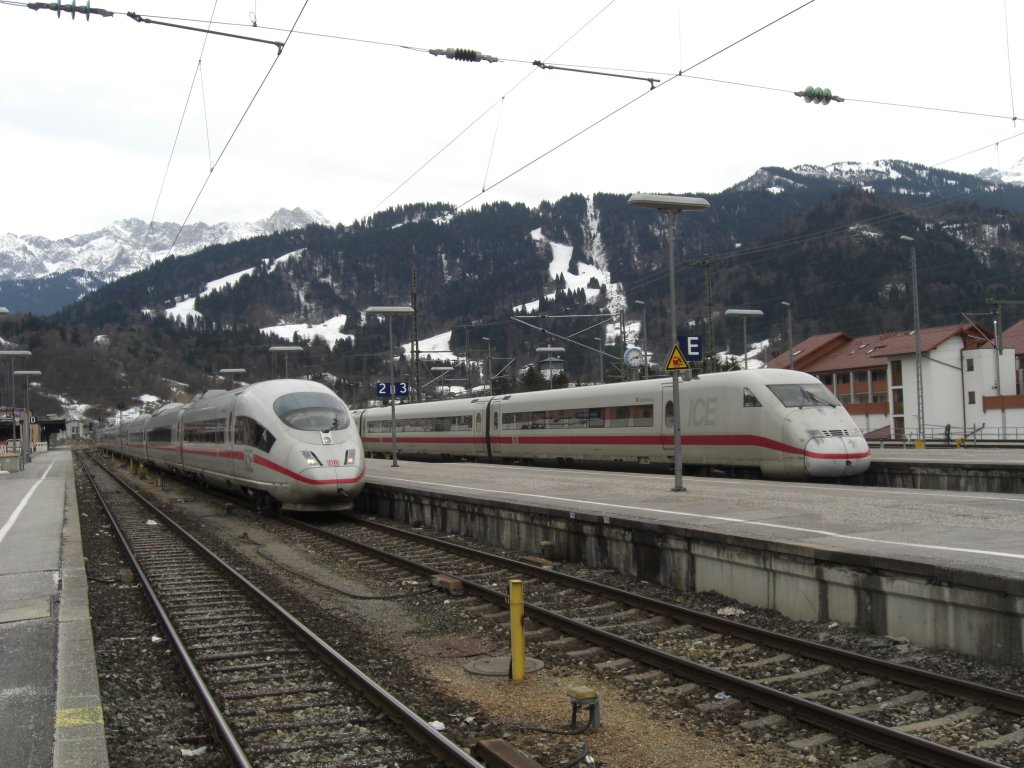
column 709, row 319
column 415, row 340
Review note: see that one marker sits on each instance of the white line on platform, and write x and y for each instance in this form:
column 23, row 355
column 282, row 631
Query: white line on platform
column 22, row 504
column 716, row 518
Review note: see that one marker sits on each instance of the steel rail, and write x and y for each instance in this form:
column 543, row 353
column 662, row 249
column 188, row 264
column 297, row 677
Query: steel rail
column 882, row 737
column 436, row 743
column 1007, row 701
column 213, row 712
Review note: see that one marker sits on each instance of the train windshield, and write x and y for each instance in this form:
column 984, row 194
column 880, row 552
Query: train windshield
column 804, row 395
column 312, row 411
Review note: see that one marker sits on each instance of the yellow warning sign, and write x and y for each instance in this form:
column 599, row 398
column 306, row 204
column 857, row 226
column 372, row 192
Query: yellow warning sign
column 676, row 361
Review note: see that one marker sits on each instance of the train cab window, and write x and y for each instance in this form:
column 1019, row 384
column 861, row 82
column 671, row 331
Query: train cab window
column 804, row 395
column 312, row 411
column 750, row 399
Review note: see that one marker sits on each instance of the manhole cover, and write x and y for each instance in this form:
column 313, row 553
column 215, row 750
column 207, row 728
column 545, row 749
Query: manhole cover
column 454, row 647
column 499, row 666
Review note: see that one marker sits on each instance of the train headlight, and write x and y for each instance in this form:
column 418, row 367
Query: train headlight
column 350, row 457
column 311, row 459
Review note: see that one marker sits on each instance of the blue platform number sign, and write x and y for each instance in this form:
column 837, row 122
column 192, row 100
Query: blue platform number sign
column 691, row 347
column 397, row 388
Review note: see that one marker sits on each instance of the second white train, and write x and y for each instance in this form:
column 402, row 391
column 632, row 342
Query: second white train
column 780, row 424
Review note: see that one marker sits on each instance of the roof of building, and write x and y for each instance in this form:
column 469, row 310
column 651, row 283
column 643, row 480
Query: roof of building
column 1013, row 337
column 840, row 352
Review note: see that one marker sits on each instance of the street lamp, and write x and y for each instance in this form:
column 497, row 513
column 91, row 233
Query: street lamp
column 488, row 340
column 917, row 342
column 643, row 306
column 389, row 312
column 286, row 350
column 744, row 313
column 11, row 354
column 551, row 351
column 789, row 329
column 25, row 455
column 671, row 205
column 230, row 372
column 441, row 370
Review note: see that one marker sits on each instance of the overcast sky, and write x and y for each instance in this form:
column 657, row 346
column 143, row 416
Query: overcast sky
column 355, row 115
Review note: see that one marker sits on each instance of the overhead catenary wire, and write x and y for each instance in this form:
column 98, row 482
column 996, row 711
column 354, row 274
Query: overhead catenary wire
column 478, row 118
column 632, row 101
column 234, row 131
column 177, row 135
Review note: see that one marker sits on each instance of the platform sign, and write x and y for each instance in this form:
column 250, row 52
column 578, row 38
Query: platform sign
column 393, row 388
column 676, row 361
column 692, row 347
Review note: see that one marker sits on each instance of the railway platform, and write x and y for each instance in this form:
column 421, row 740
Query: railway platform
column 940, row 568
column 50, row 708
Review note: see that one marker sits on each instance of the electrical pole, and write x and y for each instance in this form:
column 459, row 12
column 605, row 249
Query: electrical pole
column 709, row 322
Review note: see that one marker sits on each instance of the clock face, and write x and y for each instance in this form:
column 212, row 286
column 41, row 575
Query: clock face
column 633, row 357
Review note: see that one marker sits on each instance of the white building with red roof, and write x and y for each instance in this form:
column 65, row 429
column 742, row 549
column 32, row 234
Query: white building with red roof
column 964, row 393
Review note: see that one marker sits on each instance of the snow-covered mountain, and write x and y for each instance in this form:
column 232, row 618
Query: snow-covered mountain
column 895, row 177
column 1012, row 175
column 129, row 245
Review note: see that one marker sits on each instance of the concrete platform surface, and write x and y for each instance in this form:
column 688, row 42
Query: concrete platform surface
column 50, row 710
column 980, row 533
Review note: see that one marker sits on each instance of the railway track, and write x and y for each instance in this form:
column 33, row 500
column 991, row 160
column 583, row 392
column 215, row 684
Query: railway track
column 872, row 709
column 276, row 694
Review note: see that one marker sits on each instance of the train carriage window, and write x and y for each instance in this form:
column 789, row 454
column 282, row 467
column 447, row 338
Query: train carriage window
column 750, row 399
column 643, row 415
column 159, row 435
column 312, row 411
column 205, row 431
column 669, row 415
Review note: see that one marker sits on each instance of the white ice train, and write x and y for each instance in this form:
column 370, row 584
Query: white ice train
column 287, row 443
column 778, row 424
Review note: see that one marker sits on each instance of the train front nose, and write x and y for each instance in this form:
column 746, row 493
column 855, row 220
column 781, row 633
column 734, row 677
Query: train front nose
column 836, row 454
column 331, row 470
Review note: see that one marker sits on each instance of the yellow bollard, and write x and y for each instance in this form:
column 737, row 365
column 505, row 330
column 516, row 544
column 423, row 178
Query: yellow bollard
column 517, row 667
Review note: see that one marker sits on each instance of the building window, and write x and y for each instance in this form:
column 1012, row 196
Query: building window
column 970, row 363
column 970, row 398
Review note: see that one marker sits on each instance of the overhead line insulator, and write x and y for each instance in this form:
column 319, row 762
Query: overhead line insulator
column 73, row 8
column 818, row 95
column 462, row 54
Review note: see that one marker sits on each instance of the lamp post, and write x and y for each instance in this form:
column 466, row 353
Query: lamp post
column 25, row 437
column 744, row 313
column 230, row 372
column 551, row 351
column 917, row 342
column 6, row 311
column 389, row 312
column 10, row 354
column 671, row 205
column 285, row 350
column 789, row 329
column 488, row 340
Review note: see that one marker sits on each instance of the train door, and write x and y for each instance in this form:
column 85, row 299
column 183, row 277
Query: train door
column 664, row 423
column 494, row 427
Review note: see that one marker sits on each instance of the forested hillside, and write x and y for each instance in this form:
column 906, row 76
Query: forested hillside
column 828, row 244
